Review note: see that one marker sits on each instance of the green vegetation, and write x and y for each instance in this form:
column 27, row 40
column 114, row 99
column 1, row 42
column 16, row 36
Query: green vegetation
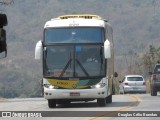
column 136, row 26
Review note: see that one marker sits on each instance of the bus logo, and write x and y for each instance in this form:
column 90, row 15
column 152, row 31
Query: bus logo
column 74, row 86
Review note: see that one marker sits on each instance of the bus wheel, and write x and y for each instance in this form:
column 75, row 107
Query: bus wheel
column 63, row 102
column 109, row 99
column 51, row 103
column 101, row 101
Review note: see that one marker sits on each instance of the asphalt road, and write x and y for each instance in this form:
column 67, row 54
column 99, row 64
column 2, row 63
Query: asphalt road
column 137, row 103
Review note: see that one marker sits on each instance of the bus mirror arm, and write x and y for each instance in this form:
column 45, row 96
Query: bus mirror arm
column 107, row 49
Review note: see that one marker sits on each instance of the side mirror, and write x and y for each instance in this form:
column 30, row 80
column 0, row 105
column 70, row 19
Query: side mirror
column 3, row 44
column 107, row 49
column 38, row 50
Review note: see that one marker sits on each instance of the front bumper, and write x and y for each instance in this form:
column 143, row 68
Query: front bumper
column 75, row 93
column 135, row 89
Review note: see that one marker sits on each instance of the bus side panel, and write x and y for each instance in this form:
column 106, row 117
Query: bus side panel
column 110, row 62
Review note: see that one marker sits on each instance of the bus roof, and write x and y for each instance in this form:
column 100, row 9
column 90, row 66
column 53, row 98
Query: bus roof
column 76, row 20
column 85, row 16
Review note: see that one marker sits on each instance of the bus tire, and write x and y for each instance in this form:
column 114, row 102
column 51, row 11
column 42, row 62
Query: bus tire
column 63, row 102
column 101, row 101
column 51, row 103
column 109, row 99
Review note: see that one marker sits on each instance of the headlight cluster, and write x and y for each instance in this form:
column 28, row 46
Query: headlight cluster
column 99, row 85
column 50, row 86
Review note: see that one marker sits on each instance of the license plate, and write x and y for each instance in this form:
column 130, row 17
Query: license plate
column 134, row 88
column 74, row 94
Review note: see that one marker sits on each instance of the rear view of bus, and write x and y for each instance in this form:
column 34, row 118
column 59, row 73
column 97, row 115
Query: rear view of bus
column 77, row 56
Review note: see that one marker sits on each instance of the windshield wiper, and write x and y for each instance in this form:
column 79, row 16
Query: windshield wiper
column 65, row 68
column 67, row 65
column 83, row 69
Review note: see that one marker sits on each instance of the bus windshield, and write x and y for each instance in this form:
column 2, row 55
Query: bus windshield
column 68, row 61
column 74, row 35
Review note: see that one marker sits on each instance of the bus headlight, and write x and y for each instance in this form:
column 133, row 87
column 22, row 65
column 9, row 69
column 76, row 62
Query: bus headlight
column 50, row 86
column 99, row 85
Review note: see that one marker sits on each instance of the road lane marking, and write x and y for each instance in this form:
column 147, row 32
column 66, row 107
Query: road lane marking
column 136, row 100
